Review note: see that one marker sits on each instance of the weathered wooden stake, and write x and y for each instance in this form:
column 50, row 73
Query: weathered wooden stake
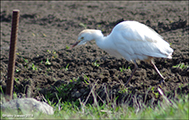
column 12, row 53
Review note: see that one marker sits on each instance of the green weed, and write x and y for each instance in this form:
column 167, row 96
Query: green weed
column 85, row 77
column 79, row 110
column 70, row 110
column 17, row 70
column 25, row 60
column 44, row 35
column 67, row 66
column 67, row 47
column 123, row 89
column 72, row 80
column 122, row 69
column 34, row 68
column 48, row 51
column 63, row 90
column 47, row 62
column 83, row 25
column 155, row 93
column 48, row 69
column 55, row 55
column 96, row 64
column 181, row 66
column 15, row 95
column 129, row 67
column 17, row 80
column 1, row 90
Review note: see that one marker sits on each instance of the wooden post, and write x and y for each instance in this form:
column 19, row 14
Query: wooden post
column 12, row 53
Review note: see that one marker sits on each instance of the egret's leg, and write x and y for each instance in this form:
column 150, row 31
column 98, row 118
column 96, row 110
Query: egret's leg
column 158, row 71
column 136, row 66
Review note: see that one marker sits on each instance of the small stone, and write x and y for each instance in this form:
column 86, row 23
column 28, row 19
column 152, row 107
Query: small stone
column 77, row 94
column 26, row 106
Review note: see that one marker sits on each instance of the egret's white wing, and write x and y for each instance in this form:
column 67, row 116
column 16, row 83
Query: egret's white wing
column 135, row 31
column 134, row 40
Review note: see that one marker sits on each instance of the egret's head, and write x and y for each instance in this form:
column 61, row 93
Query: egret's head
column 87, row 35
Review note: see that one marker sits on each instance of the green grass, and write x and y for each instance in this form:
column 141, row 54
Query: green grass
column 72, row 111
column 68, row 110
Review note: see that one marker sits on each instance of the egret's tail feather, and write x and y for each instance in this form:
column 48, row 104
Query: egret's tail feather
column 169, row 56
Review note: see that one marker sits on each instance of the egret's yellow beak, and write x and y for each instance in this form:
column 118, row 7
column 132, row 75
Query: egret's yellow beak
column 75, row 44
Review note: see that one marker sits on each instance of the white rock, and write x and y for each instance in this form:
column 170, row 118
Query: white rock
column 26, row 106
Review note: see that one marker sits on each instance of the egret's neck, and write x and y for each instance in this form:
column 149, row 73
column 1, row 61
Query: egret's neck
column 100, row 39
column 102, row 42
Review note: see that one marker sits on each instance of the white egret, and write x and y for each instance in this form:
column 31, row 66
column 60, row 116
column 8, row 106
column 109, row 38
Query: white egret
column 131, row 40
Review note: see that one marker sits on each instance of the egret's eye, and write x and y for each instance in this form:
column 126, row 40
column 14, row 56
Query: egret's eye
column 82, row 38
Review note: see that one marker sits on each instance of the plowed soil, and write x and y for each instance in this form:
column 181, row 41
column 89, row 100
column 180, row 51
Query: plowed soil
column 47, row 66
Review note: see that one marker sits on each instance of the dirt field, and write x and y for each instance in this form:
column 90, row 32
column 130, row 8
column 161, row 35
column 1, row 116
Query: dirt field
column 46, row 66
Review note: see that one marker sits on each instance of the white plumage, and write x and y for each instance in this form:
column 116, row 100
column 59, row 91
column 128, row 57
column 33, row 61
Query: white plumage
column 131, row 40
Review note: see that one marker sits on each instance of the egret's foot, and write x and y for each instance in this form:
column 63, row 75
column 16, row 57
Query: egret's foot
column 162, row 81
column 126, row 84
